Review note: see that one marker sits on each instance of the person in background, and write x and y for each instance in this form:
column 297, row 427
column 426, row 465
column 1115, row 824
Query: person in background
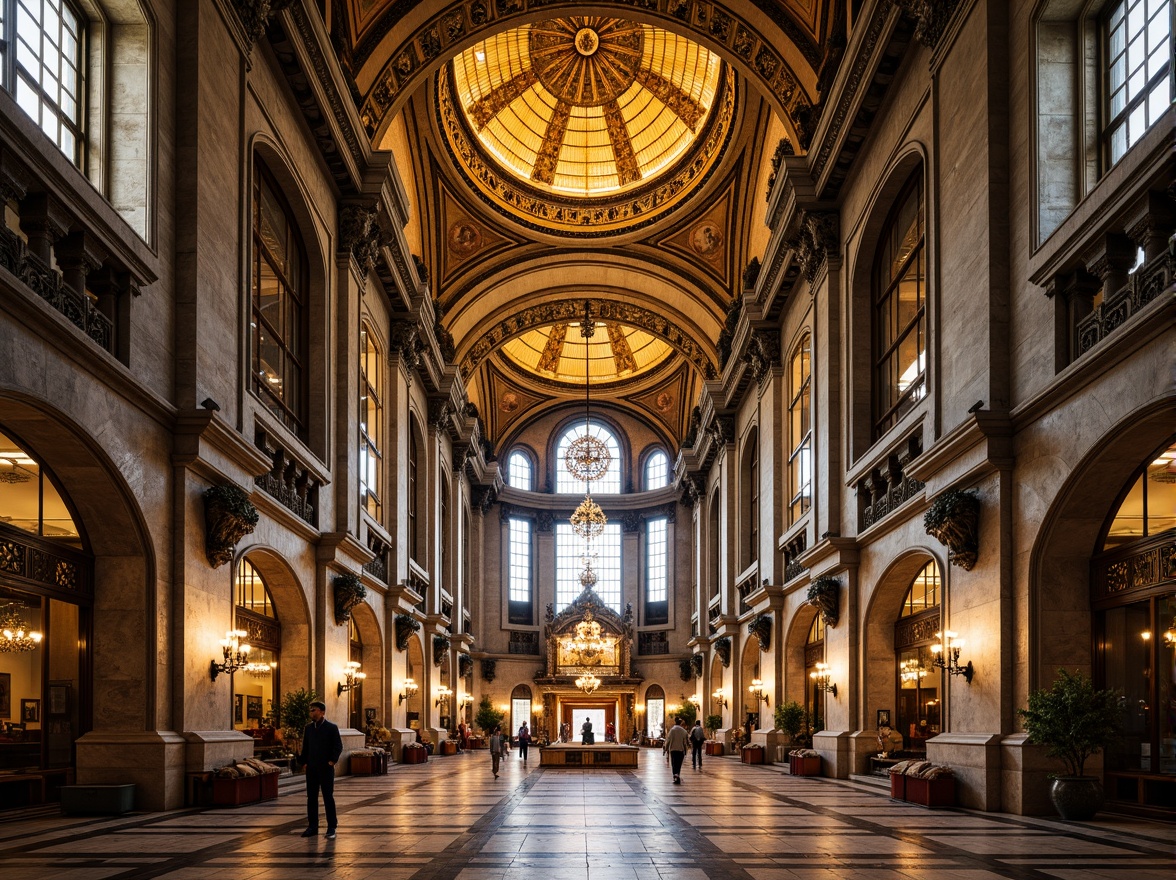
column 586, row 733
column 697, row 738
column 524, row 740
column 321, row 748
column 675, row 747
column 497, row 748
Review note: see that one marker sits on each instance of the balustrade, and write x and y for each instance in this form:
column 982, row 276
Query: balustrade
column 887, row 487
column 289, row 481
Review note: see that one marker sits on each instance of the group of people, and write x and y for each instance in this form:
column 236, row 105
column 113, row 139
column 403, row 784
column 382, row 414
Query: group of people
column 677, row 739
column 500, row 745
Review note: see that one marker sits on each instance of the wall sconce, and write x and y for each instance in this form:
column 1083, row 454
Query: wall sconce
column 639, row 709
column 443, row 694
column 720, row 697
column 504, row 708
column 694, row 700
column 947, row 655
column 537, row 709
column 466, row 700
column 352, row 678
column 821, row 679
column 410, row 690
column 235, row 653
column 756, row 689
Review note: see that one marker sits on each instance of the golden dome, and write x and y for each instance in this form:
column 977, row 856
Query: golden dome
column 557, row 352
column 586, row 106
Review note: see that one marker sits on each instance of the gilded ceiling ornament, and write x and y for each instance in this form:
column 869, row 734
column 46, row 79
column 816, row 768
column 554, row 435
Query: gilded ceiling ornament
column 586, row 61
column 464, row 238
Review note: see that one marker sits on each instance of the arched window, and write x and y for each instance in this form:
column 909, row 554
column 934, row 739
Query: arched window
column 657, row 570
column 918, row 698
column 278, row 333
column 520, row 709
column 255, row 688
column 800, row 439
column 355, row 695
column 413, row 525
column 655, row 711
column 712, row 544
column 749, row 490
column 445, row 535
column 900, row 310
column 44, row 66
column 657, row 470
column 814, row 653
column 371, row 430
column 610, row 483
column 1137, row 47
column 519, row 472
column 1134, row 596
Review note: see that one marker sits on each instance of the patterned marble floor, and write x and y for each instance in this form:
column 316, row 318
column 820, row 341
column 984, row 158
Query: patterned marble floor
column 450, row 819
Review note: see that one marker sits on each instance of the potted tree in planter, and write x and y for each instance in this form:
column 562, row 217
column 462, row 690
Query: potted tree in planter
column 294, row 715
column 1074, row 721
column 712, row 723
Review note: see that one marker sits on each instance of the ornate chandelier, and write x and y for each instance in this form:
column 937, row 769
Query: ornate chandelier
column 15, row 636
column 590, row 640
column 587, row 682
column 910, row 670
column 588, row 520
column 587, row 458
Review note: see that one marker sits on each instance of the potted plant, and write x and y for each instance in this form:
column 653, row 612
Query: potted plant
column 789, row 718
column 712, row 723
column 487, row 717
column 1074, row 721
column 294, row 715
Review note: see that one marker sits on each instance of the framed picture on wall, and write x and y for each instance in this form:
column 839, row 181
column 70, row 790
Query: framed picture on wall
column 58, row 699
column 883, row 718
column 239, row 709
column 253, row 707
column 5, row 694
column 30, row 711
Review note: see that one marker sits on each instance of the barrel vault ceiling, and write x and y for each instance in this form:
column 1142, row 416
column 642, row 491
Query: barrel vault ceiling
column 564, row 157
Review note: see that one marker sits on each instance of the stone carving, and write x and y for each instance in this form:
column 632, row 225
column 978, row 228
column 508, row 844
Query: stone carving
column 954, row 520
column 349, row 592
column 546, row 521
column 816, row 238
column 440, row 648
column 229, row 516
column 360, row 234
column 489, row 669
column 723, row 650
column 255, row 16
column 761, row 628
column 751, row 273
column 783, row 148
column 405, row 340
column 762, row 353
column 823, row 594
column 696, row 663
column 686, row 669
column 439, row 413
column 465, row 665
column 723, row 429
column 727, row 334
column 405, row 625
column 931, row 16
column 422, row 270
column 569, row 311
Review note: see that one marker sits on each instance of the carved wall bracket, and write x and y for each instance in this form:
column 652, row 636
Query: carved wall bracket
column 405, row 626
column 954, row 520
column 229, row 516
column 823, row 594
column 723, row 650
column 761, row 628
column 349, row 592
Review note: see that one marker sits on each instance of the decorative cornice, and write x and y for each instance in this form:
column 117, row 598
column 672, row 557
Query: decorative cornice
column 255, row 16
column 932, row 18
column 816, row 238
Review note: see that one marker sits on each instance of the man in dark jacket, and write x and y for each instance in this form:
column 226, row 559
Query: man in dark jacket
column 321, row 748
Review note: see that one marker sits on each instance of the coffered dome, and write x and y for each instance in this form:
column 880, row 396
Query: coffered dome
column 586, row 106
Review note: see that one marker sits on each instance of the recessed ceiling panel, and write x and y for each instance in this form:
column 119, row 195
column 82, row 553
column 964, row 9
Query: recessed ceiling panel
column 615, row 351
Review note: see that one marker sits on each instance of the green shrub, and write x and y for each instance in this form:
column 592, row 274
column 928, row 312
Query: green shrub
column 1073, row 720
column 789, row 718
column 487, row 717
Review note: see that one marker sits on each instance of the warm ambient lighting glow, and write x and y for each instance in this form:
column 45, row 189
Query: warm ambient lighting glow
column 235, row 653
column 946, row 655
column 720, row 697
column 410, row 689
column 587, row 682
column 352, row 678
column 821, row 679
column 17, row 637
column 756, row 689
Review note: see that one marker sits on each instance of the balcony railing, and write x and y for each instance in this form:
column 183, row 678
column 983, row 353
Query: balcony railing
column 887, row 487
column 288, row 481
column 1145, row 284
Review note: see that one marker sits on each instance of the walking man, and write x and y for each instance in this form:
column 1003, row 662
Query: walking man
column 675, row 746
column 497, row 749
column 697, row 738
column 524, row 740
column 321, row 748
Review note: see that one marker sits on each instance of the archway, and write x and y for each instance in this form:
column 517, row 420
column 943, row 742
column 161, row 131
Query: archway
column 366, row 635
column 746, row 704
column 796, row 659
column 414, row 672
column 292, row 608
column 718, row 687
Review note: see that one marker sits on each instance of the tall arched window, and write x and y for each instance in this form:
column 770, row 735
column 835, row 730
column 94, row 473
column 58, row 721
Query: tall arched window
column 255, row 688
column 278, row 333
column 800, row 439
column 610, row 484
column 712, row 544
column 900, row 310
column 918, row 700
column 518, row 471
column 750, row 496
column 520, row 573
column 371, row 432
column 569, row 555
column 1138, row 51
column 657, row 570
column 355, row 695
column 445, row 535
column 413, row 524
column 657, row 470
column 814, row 653
column 655, row 711
column 520, row 709
column 1134, row 608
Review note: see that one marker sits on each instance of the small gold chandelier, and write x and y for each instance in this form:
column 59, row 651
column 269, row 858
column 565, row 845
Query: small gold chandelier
column 15, row 635
column 588, row 520
column 587, row 682
column 587, row 457
column 590, row 640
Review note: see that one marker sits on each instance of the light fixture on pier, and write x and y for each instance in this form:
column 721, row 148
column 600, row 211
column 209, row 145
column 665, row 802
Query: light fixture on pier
column 410, row 689
column 235, row 653
column 352, row 678
column 947, row 655
column 821, row 679
column 756, row 689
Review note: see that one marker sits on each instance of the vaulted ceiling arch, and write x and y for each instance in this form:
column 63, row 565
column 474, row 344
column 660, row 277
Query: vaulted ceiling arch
column 394, row 51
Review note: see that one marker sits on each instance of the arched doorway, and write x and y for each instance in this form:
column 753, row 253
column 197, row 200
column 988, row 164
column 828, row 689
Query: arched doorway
column 414, row 671
column 918, row 699
column 1133, row 599
column 717, row 687
column 749, row 717
column 355, row 695
column 655, row 711
column 520, row 708
column 46, row 613
column 256, row 689
column 366, row 646
column 814, row 653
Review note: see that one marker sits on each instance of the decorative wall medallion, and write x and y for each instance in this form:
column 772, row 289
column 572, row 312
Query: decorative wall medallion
column 706, row 239
column 664, row 402
column 464, row 238
column 508, row 402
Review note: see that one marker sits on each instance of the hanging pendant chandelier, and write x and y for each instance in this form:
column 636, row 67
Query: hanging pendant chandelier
column 15, row 635
column 588, row 520
column 587, row 457
column 587, row 682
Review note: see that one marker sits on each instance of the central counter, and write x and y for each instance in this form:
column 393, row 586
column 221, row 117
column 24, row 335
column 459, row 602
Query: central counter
column 601, row 755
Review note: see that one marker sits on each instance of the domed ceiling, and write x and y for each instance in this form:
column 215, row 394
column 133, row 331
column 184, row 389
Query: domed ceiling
column 615, row 351
column 586, row 106
column 586, row 121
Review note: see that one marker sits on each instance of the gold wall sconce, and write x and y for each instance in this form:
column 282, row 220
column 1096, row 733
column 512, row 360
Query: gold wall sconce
column 410, row 690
